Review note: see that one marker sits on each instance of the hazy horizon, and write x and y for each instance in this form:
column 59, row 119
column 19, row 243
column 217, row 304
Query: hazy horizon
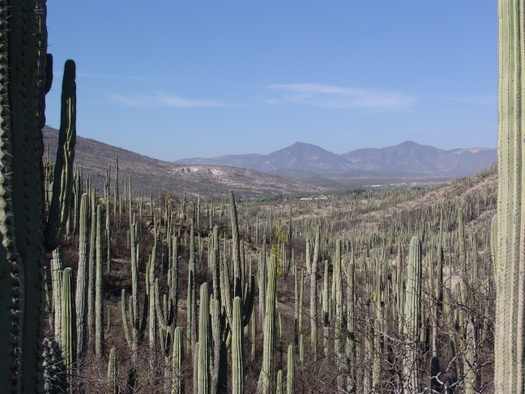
column 178, row 80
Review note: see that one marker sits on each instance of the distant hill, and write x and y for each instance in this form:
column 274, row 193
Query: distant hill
column 411, row 158
column 153, row 176
column 408, row 159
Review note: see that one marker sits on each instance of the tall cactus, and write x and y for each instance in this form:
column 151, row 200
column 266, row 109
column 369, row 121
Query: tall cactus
column 290, row 376
column 177, row 354
column 81, row 288
column 510, row 258
column 237, row 360
column 266, row 383
column 313, row 295
column 113, row 371
column 99, row 325
column 412, row 316
column 203, row 378
column 25, row 78
column 67, row 329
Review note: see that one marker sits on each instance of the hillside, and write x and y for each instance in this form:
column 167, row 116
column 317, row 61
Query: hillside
column 153, row 176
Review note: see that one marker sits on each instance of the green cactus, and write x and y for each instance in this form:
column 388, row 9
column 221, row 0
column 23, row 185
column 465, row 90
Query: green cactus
column 509, row 347
column 279, row 382
column 25, row 79
column 266, row 384
column 81, row 289
column 133, row 320
column 56, row 287
column 91, row 271
column 176, row 363
column 236, row 350
column 313, row 296
column 63, row 170
column 112, row 374
column 326, row 310
column 99, row 324
column 67, row 326
column 203, row 356
column 290, row 377
column 412, row 316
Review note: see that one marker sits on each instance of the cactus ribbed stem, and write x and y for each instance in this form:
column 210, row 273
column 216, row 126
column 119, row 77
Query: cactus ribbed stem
column 313, row 296
column 204, row 326
column 67, row 330
column 91, row 272
column 266, row 383
column 81, row 288
column 510, row 257
column 176, row 363
column 99, row 325
column 112, row 374
column 290, row 377
column 413, row 316
column 237, row 354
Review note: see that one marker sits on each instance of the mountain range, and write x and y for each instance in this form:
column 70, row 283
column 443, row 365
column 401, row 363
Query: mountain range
column 299, row 168
column 408, row 159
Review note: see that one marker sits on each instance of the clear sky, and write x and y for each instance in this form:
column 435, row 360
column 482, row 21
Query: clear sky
column 174, row 79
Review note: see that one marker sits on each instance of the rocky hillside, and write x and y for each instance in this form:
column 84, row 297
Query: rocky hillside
column 151, row 175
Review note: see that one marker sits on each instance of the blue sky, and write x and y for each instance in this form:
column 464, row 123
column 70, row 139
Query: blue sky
column 175, row 79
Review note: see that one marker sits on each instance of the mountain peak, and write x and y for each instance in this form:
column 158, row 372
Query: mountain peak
column 409, row 143
column 300, row 144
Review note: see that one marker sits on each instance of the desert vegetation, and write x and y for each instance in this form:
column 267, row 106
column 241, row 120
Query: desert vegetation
column 394, row 290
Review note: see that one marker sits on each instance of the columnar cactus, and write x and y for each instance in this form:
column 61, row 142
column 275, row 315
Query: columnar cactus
column 313, row 296
column 178, row 381
column 99, row 325
column 338, row 344
column 237, row 360
column 290, row 377
column 81, row 287
column 25, row 79
column 326, row 310
column 67, row 327
column 112, row 374
column 203, row 356
column 91, row 270
column 56, row 290
column 266, row 383
column 412, row 316
column 510, row 286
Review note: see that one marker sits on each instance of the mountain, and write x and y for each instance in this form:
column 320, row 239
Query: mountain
column 408, row 159
column 299, row 159
column 412, row 159
column 154, row 176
